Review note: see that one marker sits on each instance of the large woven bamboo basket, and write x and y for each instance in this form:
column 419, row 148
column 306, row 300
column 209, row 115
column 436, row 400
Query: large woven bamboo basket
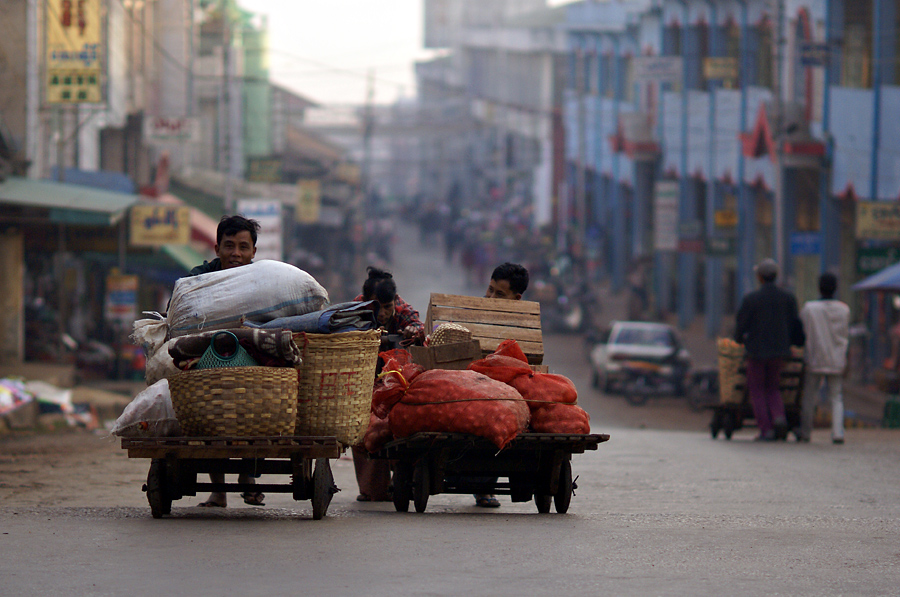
column 731, row 357
column 334, row 396
column 235, row 401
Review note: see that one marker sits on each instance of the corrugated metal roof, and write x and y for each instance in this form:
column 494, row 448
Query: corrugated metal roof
column 68, row 203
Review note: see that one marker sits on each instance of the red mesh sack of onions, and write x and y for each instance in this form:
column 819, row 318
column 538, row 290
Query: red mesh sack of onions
column 551, row 398
column 453, row 402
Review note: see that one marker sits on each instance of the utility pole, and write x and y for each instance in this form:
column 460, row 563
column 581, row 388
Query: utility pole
column 225, row 108
column 368, row 128
column 779, row 120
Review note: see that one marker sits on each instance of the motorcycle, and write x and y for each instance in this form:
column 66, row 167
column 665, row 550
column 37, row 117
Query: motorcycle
column 644, row 379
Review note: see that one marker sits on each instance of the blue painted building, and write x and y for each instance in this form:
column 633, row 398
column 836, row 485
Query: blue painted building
column 774, row 145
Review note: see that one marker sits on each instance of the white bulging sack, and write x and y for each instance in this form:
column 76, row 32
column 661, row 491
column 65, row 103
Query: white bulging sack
column 259, row 292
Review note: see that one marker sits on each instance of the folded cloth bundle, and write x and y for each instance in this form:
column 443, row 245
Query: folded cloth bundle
column 352, row 316
column 270, row 348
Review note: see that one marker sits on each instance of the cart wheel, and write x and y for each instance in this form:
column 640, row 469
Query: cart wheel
column 156, row 490
column 728, row 425
column 421, row 485
column 564, row 494
column 543, row 502
column 402, row 493
column 323, row 488
column 714, row 425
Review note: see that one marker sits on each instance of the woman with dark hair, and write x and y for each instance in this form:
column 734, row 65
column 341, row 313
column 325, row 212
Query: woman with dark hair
column 396, row 317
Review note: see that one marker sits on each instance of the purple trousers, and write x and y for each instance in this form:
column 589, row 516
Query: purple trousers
column 763, row 377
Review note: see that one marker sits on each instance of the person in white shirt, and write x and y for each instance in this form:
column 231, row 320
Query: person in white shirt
column 826, row 323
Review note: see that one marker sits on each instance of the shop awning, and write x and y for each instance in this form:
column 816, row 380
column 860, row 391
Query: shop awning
column 184, row 255
column 67, row 203
column 887, row 279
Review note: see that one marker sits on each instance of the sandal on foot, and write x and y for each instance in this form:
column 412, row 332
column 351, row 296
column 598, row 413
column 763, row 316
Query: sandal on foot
column 210, row 504
column 486, row 501
column 253, row 499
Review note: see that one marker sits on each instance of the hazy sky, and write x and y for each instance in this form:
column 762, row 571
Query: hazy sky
column 324, row 48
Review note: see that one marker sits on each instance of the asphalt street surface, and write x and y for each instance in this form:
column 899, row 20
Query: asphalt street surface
column 660, row 509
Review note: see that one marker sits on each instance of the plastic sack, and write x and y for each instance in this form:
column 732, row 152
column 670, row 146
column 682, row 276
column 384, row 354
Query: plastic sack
column 560, row 418
column 259, row 292
column 377, row 434
column 455, row 402
column 160, row 365
column 150, row 414
column 150, row 333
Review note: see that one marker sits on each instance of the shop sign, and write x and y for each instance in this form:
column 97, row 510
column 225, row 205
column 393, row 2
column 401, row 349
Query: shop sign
column 721, row 246
column 662, row 69
column 74, row 51
column 806, row 243
column 160, row 129
column 813, row 54
column 690, row 237
column 309, row 201
column 720, row 68
column 725, row 218
column 878, row 220
column 264, row 170
column 267, row 212
column 156, row 225
column 871, row 260
column 665, row 216
column 121, row 298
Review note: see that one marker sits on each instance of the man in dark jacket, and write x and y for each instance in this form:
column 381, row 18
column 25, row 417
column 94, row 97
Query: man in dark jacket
column 767, row 325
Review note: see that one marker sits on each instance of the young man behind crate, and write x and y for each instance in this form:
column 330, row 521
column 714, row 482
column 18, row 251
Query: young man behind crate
column 235, row 247
column 509, row 281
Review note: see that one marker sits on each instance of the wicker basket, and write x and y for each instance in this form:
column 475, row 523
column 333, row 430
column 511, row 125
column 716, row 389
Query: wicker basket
column 336, row 379
column 235, row 401
column 450, row 333
column 731, row 357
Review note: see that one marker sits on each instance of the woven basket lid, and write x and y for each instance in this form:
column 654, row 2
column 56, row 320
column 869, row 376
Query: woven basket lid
column 450, row 333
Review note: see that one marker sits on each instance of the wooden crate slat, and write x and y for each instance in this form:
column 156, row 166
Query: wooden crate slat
column 481, row 332
column 466, row 316
column 489, row 345
column 484, row 304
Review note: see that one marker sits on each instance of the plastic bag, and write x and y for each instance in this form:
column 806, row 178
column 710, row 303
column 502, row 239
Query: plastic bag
column 160, row 365
column 150, row 414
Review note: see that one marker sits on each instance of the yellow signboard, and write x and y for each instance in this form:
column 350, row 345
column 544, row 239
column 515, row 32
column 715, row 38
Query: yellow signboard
column 309, row 201
column 878, row 220
column 157, row 225
column 75, row 51
column 726, row 218
column 720, row 68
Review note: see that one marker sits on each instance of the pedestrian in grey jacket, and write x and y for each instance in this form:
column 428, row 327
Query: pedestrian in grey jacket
column 826, row 323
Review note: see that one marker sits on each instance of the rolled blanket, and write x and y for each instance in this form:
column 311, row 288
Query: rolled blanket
column 353, row 316
column 270, row 348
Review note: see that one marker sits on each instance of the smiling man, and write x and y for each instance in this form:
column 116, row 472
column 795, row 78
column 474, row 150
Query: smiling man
column 235, row 246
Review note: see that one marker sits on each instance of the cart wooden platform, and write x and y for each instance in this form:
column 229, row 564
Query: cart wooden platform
column 537, row 465
column 176, row 462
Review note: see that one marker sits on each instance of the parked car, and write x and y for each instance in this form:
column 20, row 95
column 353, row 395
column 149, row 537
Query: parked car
column 638, row 341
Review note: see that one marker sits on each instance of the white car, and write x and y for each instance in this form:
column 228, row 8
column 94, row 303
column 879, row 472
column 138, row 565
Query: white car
column 640, row 341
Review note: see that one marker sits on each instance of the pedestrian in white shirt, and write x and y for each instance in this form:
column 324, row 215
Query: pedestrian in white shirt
column 826, row 323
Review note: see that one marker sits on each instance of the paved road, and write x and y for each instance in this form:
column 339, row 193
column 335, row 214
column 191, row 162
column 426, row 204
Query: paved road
column 660, row 509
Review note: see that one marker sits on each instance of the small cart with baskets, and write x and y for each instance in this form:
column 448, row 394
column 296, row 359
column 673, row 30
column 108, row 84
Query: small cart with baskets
column 537, row 465
column 176, row 462
column 734, row 406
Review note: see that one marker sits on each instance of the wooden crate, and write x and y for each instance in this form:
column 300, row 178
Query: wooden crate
column 491, row 321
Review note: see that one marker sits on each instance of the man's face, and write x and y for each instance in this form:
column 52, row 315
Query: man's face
column 236, row 250
column 499, row 289
column 386, row 312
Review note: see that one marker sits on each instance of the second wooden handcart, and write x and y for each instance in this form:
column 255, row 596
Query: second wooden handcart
column 536, row 465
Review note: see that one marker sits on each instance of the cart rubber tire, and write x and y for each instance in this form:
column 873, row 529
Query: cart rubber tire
column 421, row 485
column 402, row 491
column 156, row 494
column 728, row 425
column 323, row 488
column 543, row 502
column 563, row 496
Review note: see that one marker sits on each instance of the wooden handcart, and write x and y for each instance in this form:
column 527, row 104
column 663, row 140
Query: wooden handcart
column 730, row 415
column 176, row 462
column 537, row 465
